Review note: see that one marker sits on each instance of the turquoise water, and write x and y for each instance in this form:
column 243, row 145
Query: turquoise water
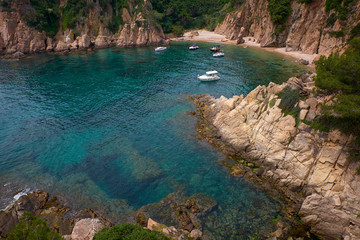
column 111, row 130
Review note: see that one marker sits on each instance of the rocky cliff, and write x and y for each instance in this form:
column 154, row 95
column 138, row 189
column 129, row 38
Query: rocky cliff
column 312, row 164
column 309, row 27
column 137, row 28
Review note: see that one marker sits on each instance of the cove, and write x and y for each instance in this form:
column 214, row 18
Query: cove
column 111, row 130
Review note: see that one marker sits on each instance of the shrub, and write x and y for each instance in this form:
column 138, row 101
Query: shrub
column 341, row 7
column 45, row 17
column 178, row 31
column 355, row 31
column 289, row 98
column 305, row 1
column 340, row 75
column 32, row 228
column 337, row 34
column 128, row 231
column 279, row 12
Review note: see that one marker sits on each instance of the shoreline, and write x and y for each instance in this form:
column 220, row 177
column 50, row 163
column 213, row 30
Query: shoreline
column 212, row 37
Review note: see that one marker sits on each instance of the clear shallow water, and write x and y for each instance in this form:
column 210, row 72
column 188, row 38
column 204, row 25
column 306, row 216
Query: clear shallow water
column 111, row 130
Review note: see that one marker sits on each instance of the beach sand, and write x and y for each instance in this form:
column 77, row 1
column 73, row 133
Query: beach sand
column 207, row 36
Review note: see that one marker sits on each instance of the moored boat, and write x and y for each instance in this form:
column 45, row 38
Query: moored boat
column 194, row 47
column 215, row 48
column 161, row 48
column 209, row 76
column 219, row 54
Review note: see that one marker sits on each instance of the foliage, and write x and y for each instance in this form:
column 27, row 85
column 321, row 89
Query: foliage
column 32, row 228
column 45, row 17
column 305, row 1
column 330, row 21
column 192, row 13
column 355, row 31
column 341, row 7
column 279, row 12
column 289, row 98
column 337, row 34
column 340, row 75
column 178, row 31
column 128, row 231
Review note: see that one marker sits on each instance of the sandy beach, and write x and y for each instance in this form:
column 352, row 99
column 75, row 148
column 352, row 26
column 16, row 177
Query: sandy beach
column 207, row 36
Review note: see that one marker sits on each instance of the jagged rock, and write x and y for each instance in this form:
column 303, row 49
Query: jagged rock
column 296, row 158
column 37, row 45
column 61, row 46
column 153, row 225
column 85, row 229
column 18, row 55
column 84, row 41
column 101, row 41
column 196, row 234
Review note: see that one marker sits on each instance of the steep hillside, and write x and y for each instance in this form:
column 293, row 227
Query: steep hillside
column 28, row 26
column 310, row 26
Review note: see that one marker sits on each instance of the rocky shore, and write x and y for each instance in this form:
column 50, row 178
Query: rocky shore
column 311, row 167
column 180, row 212
column 18, row 39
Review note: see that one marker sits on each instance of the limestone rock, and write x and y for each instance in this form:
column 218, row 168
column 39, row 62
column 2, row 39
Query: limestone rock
column 85, row 229
column 153, row 225
column 101, row 41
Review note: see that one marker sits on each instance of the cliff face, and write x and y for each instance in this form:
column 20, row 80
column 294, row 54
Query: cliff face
column 296, row 158
column 307, row 29
column 137, row 29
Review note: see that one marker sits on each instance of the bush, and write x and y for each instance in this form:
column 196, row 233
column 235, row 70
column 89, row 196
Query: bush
column 178, row 30
column 340, row 75
column 289, row 98
column 45, row 17
column 305, row 1
column 128, row 231
column 32, row 228
column 341, row 7
column 279, row 12
column 355, row 31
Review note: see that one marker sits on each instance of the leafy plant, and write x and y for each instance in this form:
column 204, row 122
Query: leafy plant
column 128, row 231
column 279, row 12
column 355, row 31
column 340, row 75
column 32, row 228
column 45, row 16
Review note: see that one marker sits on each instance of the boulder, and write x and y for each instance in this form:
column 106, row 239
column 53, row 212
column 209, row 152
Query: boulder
column 304, row 61
column 101, row 42
column 196, row 234
column 84, row 41
column 61, row 46
column 85, row 229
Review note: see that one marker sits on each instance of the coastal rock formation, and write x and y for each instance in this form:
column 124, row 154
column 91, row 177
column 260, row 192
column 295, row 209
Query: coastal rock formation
column 291, row 154
column 17, row 36
column 308, row 28
column 80, row 226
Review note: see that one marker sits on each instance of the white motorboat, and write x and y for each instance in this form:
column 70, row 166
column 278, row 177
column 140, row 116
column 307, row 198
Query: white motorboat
column 209, row 76
column 219, row 54
column 158, row 49
column 215, row 48
column 194, row 47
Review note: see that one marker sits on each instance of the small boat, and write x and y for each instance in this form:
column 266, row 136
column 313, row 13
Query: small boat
column 194, row 47
column 162, row 48
column 215, row 48
column 219, row 54
column 209, row 76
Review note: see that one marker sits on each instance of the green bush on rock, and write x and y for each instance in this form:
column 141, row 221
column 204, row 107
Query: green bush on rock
column 340, row 75
column 128, row 231
column 279, row 12
column 32, row 228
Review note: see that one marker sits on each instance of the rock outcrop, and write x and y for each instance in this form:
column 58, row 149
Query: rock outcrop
column 137, row 30
column 80, row 226
column 307, row 28
column 291, row 155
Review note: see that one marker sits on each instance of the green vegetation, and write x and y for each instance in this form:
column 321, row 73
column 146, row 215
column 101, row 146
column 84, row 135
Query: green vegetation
column 32, row 228
column 341, row 7
column 128, row 231
column 279, row 12
column 192, row 13
column 339, row 75
column 45, row 17
column 337, row 34
column 305, row 1
column 289, row 99
column 355, row 32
